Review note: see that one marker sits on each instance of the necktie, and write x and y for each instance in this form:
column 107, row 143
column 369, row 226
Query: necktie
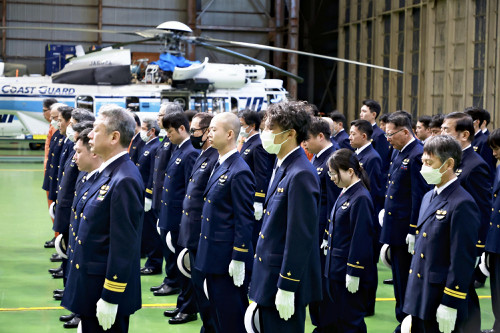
column 216, row 166
column 434, row 194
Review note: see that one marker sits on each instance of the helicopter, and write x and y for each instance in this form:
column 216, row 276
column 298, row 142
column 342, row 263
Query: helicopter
column 92, row 79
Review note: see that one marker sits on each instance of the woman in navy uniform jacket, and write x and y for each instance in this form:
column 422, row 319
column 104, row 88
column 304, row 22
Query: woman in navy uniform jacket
column 440, row 277
column 349, row 263
column 104, row 284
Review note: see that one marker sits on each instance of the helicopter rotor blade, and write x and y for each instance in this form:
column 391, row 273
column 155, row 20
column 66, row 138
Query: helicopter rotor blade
column 280, row 49
column 245, row 57
column 71, row 29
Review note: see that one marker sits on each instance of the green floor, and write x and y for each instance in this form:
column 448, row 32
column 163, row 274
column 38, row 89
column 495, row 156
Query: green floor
column 26, row 303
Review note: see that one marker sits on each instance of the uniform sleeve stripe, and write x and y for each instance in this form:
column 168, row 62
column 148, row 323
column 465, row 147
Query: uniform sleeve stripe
column 284, row 277
column 413, row 226
column 480, row 245
column 240, row 249
column 115, row 284
column 149, row 191
column 355, row 266
column 260, row 195
column 453, row 293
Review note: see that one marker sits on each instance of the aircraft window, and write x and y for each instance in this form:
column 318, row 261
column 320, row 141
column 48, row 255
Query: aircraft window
column 132, row 103
column 85, row 102
column 181, row 101
column 218, row 104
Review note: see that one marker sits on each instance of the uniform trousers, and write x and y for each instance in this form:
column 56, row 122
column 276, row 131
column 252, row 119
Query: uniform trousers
column 90, row 324
column 151, row 243
column 228, row 303
column 401, row 260
column 202, row 302
column 171, row 271
column 186, row 301
column 270, row 321
column 495, row 288
column 321, row 311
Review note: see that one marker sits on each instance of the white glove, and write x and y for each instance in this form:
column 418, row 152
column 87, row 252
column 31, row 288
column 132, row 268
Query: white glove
column 324, row 246
column 381, row 217
column 446, row 318
column 52, row 210
column 258, row 208
column 352, row 283
column 410, row 240
column 285, row 303
column 106, row 313
column 158, row 226
column 237, row 272
column 147, row 204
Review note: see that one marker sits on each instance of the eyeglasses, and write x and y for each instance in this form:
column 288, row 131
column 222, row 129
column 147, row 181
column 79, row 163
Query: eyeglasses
column 390, row 135
column 331, row 174
column 193, row 130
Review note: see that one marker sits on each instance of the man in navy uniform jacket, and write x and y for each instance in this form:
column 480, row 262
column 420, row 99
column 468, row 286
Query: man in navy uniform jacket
column 405, row 189
column 151, row 244
column 369, row 112
column 480, row 139
column 320, row 145
column 189, row 234
column 259, row 161
column 442, row 267
column 136, row 143
column 339, row 134
column 174, row 189
column 286, row 270
column 104, row 284
column 225, row 248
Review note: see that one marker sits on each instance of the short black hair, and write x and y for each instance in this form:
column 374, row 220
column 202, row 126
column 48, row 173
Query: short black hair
column 373, row 105
column 175, row 120
column 363, row 126
column 65, row 112
column 319, row 125
column 251, row 117
column 400, row 119
column 47, row 102
column 83, row 136
column 384, row 117
column 436, row 121
column 486, row 116
column 205, row 119
column 313, row 109
column 476, row 113
column 444, row 147
column 136, row 118
column 494, row 139
column 425, row 120
column 290, row 115
column 338, row 118
column 190, row 114
column 463, row 122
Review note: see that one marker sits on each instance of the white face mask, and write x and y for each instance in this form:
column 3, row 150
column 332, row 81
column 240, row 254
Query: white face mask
column 268, row 144
column 243, row 132
column 70, row 133
column 55, row 124
column 432, row 176
column 144, row 136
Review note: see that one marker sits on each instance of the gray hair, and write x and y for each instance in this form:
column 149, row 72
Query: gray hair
column 444, row 147
column 171, row 107
column 80, row 115
column 151, row 123
column 120, row 120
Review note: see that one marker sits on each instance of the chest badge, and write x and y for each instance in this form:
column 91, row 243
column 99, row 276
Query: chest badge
column 222, row 179
column 178, row 161
column 280, row 190
column 203, row 165
column 166, row 144
column 406, row 161
column 319, row 170
column 146, row 153
column 458, row 172
column 440, row 214
column 102, row 192
column 475, row 148
column 246, row 152
column 345, row 205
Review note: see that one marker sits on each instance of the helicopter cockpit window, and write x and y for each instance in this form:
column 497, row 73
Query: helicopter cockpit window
column 132, row 103
column 85, row 102
column 218, row 104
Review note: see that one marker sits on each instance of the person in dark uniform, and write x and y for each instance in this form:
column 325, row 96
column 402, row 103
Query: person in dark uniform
column 369, row 159
column 104, row 284
column 486, row 122
column 190, row 228
column 87, row 163
column 442, row 268
column 177, row 175
column 339, row 134
column 136, row 143
column 491, row 259
column 150, row 244
column 225, row 247
column 405, row 189
column 382, row 121
column 319, row 144
column 480, row 140
column 369, row 112
column 435, row 124
column 423, row 131
column 473, row 175
column 169, row 285
column 286, row 271
column 350, row 264
column 259, row 161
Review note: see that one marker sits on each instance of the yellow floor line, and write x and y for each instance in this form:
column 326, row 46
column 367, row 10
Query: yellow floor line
column 160, row 305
